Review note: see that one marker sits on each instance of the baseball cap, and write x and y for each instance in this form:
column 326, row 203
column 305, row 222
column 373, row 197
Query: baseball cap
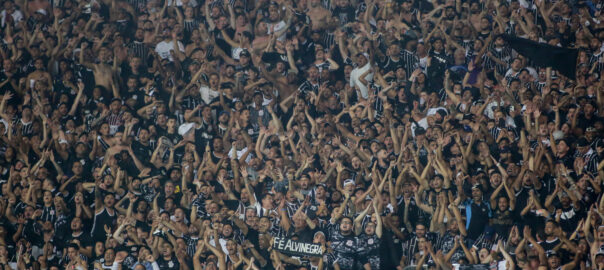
column 582, row 142
column 552, row 253
column 245, row 53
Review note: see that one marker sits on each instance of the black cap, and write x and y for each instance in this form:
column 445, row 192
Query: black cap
column 244, row 53
column 599, row 143
column 552, row 253
column 420, row 131
column 582, row 142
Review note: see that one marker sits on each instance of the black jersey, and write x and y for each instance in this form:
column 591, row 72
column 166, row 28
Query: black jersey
column 100, row 220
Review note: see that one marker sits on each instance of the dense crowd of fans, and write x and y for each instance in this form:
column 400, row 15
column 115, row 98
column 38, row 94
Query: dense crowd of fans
column 190, row 134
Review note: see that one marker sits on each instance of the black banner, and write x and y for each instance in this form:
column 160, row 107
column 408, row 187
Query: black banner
column 562, row 59
column 292, row 247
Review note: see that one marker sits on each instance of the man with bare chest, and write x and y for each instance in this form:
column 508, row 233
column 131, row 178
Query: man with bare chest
column 102, row 70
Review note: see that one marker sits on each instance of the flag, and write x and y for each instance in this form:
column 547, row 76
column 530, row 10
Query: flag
column 563, row 60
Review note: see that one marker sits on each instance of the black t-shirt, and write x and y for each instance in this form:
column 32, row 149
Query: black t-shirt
column 16, row 76
column 220, row 39
column 550, row 245
column 143, row 152
column 84, row 239
column 369, row 250
column 344, row 14
column 306, row 235
column 583, row 122
column 345, row 247
column 502, row 221
column 570, row 217
column 164, row 264
column 478, row 214
column 137, row 95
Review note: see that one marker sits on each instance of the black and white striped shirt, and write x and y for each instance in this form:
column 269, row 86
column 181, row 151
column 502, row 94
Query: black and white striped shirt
column 49, row 214
column 504, row 54
column 308, row 86
column 191, row 242
column 138, row 5
column 591, row 161
column 410, row 62
column 26, row 127
column 595, row 58
column 326, row 4
column 190, row 24
column 138, row 49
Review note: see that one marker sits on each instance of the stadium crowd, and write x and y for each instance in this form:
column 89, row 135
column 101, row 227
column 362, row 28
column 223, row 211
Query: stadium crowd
column 388, row 134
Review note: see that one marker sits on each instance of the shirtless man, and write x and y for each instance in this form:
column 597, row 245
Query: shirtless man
column 475, row 15
column 39, row 75
column 319, row 16
column 103, row 71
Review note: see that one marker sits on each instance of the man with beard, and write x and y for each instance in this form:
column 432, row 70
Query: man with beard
column 392, row 61
column 370, row 240
column 553, row 237
column 448, row 241
column 411, row 246
column 344, row 243
column 142, row 147
column 80, row 238
column 596, row 52
column 500, row 55
column 145, row 260
column 567, row 208
column 136, row 47
column 562, row 152
column 170, row 47
column 585, row 157
column 477, row 210
column 524, row 186
column 344, row 11
column 167, row 259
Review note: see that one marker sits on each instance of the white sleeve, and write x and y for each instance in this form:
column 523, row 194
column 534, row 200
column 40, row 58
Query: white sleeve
column 423, row 123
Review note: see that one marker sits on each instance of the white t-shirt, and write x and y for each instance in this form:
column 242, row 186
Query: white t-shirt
column 163, row 49
column 207, row 94
column 421, row 123
column 355, row 79
column 240, row 153
column 17, row 17
column 192, row 3
column 278, row 26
